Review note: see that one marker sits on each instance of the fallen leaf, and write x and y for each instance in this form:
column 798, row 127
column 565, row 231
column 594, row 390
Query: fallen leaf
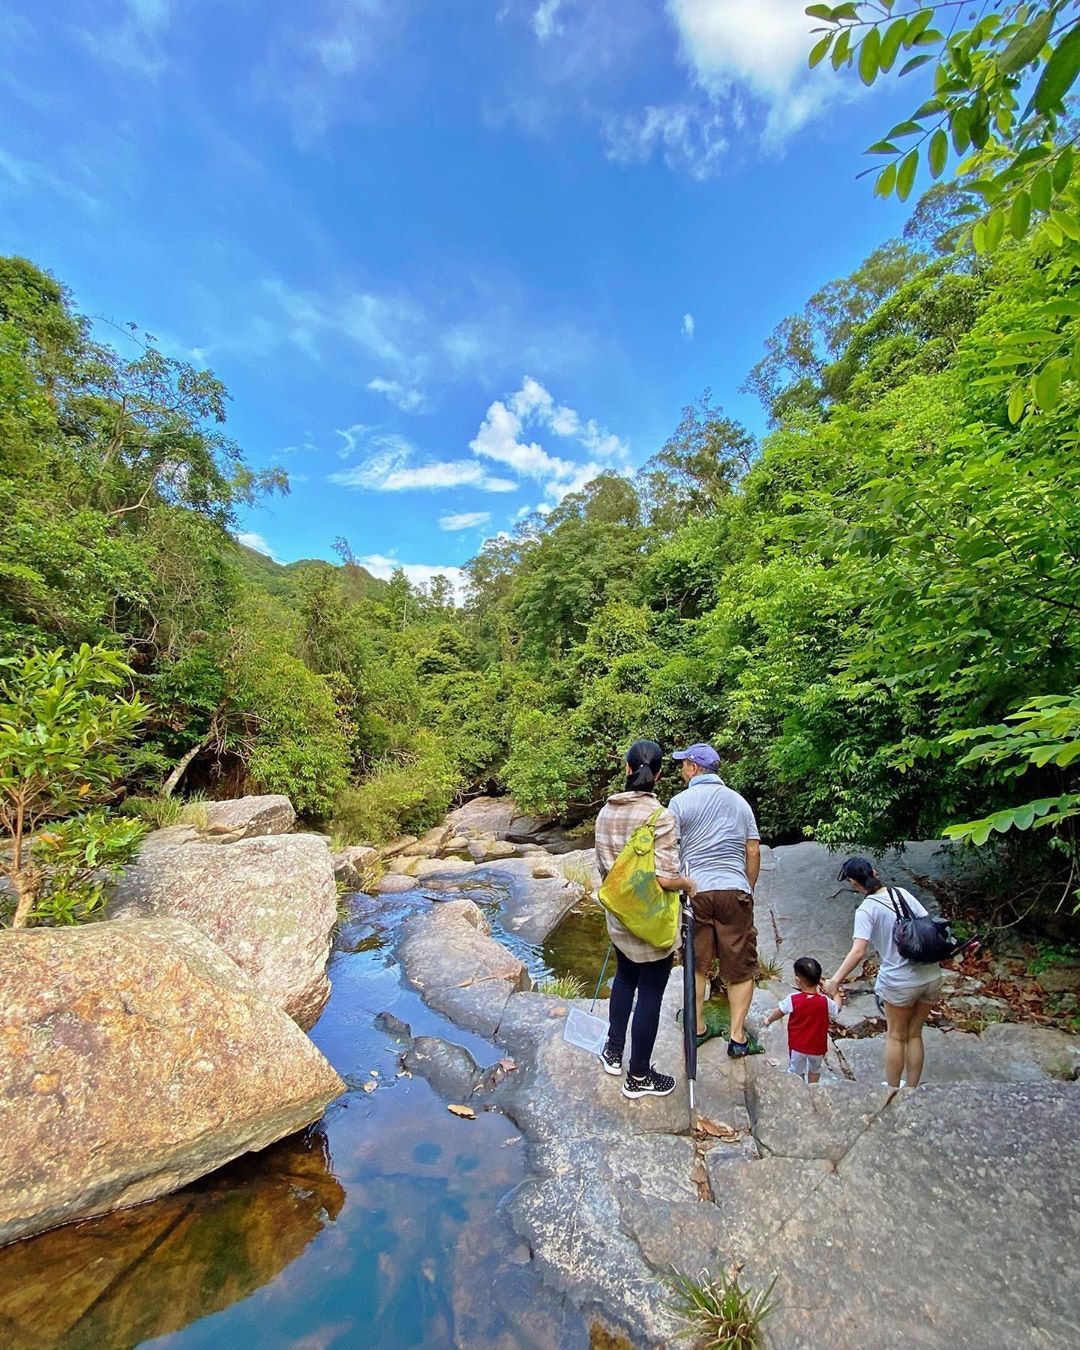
column 370, row 1087
column 714, row 1127
column 508, row 1065
column 515, row 1140
column 773, row 1063
column 465, row 1112
column 374, row 1073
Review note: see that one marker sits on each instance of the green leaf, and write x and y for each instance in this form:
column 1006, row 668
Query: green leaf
column 1052, row 233
column 1042, row 191
column 1062, row 170
column 918, row 23
column 905, row 175
column 1020, row 215
column 959, row 125
column 819, row 12
column 1017, row 403
column 820, row 50
column 915, row 63
column 886, row 181
column 928, row 39
column 883, row 148
column 938, row 153
column 869, row 49
column 995, row 229
column 1026, row 44
column 890, row 43
column 1059, row 74
column 841, row 48
column 1047, row 386
column 1068, row 224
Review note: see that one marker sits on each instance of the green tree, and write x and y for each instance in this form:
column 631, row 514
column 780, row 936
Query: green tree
column 62, row 720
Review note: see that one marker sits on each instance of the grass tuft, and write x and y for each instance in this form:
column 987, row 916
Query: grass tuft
column 562, row 986
column 717, row 1313
column 768, row 968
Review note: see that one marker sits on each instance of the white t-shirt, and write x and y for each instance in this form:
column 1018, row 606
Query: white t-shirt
column 874, row 920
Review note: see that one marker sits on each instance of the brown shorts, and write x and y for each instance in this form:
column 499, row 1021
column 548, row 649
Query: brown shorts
column 724, row 930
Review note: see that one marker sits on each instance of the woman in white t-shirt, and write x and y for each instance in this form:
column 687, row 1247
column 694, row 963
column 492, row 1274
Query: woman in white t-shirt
column 908, row 989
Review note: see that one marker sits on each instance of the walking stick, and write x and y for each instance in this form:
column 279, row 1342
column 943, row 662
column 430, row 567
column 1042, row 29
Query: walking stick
column 689, row 1018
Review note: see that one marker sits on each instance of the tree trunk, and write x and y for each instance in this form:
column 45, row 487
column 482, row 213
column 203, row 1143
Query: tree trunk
column 169, row 785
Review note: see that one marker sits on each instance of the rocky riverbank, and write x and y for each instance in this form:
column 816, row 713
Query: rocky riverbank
column 858, row 1201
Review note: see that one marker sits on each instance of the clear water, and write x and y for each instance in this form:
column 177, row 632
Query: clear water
column 381, row 1226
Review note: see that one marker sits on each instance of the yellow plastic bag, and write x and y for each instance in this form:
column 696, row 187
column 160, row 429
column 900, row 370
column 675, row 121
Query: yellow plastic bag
column 632, row 893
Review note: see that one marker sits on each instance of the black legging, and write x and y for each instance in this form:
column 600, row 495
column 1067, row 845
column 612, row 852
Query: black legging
column 649, row 980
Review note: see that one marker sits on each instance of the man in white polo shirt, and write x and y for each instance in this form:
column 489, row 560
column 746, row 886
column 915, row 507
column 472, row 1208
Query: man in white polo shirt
column 721, row 852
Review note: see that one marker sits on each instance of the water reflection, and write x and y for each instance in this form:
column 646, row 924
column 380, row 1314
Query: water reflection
column 380, row 1226
column 147, row 1271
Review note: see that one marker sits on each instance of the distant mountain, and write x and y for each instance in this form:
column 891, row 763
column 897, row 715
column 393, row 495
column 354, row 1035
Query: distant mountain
column 278, row 578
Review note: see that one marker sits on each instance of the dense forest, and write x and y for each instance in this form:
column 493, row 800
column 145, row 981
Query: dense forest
column 874, row 612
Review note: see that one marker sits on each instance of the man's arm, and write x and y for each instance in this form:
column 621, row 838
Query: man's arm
column 753, row 861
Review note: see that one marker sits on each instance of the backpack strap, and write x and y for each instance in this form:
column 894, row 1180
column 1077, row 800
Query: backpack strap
column 651, row 822
column 901, row 908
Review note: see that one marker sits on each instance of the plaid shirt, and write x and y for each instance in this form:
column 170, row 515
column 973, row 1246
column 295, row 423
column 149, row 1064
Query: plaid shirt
column 617, row 821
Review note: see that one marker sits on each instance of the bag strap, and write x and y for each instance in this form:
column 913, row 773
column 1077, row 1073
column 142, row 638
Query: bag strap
column 901, row 908
column 655, row 817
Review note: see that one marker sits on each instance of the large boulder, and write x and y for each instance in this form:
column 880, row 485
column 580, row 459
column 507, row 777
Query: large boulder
column 247, row 817
column 269, row 902
column 136, row 1057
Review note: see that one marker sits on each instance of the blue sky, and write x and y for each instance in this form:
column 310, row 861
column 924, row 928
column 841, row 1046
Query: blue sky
column 449, row 258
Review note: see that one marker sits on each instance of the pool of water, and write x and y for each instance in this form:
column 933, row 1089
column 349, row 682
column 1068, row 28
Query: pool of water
column 382, row 1225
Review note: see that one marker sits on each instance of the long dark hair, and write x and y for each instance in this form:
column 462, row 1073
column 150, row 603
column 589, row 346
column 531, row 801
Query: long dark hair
column 644, row 760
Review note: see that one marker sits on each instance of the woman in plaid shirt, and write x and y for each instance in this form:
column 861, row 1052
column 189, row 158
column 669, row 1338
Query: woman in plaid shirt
column 641, row 969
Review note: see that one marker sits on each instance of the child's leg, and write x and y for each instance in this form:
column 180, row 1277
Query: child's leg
column 797, row 1064
column 813, row 1068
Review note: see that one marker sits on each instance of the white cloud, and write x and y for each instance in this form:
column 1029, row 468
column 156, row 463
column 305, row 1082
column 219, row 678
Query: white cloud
column 137, row 41
column 385, row 327
column 502, row 438
column 252, row 540
column 464, row 520
column 690, row 138
column 545, row 19
column 762, row 46
column 400, row 395
column 27, row 177
column 688, row 327
column 419, row 574
column 389, row 467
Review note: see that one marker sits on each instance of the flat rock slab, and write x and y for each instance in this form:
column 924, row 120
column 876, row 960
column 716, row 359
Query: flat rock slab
column 247, row 817
column 136, row 1057
column 952, row 1221
column 269, row 902
column 951, row 1057
column 448, row 954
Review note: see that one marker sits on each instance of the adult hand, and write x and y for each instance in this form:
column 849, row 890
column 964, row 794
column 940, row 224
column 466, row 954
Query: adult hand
column 689, row 888
column 832, row 988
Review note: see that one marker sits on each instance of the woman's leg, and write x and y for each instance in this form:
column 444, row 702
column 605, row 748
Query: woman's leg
column 652, row 981
column 913, row 1047
column 621, row 1001
column 897, row 1021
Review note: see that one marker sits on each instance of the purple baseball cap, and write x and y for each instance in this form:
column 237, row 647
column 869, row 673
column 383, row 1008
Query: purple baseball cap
column 704, row 756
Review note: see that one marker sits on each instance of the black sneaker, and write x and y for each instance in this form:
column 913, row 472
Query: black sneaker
column 651, row 1084
column 611, row 1061
column 738, row 1049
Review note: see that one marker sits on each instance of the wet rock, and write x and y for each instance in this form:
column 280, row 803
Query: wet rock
column 460, row 970
column 247, row 817
column 431, row 870
column 393, row 1026
column 353, row 865
column 534, row 905
column 136, row 1057
column 268, row 902
column 143, row 1273
column 457, row 843
column 450, row 1069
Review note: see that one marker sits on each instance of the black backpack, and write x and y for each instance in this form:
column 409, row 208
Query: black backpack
column 921, row 937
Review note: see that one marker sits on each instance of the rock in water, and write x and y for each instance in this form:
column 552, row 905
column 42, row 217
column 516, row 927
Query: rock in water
column 269, row 903
column 247, row 817
column 136, row 1057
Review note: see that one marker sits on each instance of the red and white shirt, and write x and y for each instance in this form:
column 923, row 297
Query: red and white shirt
column 808, row 1021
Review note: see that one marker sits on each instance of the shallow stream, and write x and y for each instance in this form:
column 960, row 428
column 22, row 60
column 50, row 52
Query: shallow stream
column 378, row 1226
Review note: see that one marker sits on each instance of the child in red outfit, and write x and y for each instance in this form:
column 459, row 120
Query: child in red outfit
column 808, row 1030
